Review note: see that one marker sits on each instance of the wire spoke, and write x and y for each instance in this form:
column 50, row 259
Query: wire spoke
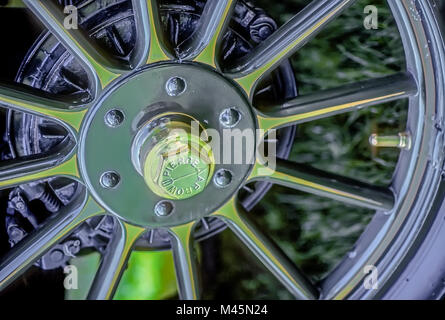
column 335, row 101
column 202, row 46
column 267, row 251
column 26, row 100
column 321, row 183
column 98, row 63
column 114, row 261
column 185, row 261
column 20, row 171
column 30, row 249
column 305, row 25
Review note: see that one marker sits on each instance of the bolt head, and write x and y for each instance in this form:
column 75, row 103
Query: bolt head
column 265, row 32
column 114, row 118
column 110, row 180
column 178, row 168
column 175, row 86
column 20, row 205
column 223, row 178
column 57, row 255
column 16, row 233
column 164, row 208
column 230, row 117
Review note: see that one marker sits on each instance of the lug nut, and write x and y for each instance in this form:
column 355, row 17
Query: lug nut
column 109, row 180
column 402, row 141
column 164, row 208
column 230, row 117
column 223, row 178
column 175, row 86
column 114, row 118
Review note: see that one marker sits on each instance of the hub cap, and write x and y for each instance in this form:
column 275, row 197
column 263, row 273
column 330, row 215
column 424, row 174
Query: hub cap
column 161, row 149
column 178, row 164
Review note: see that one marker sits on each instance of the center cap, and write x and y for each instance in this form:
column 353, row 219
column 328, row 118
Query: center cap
column 178, row 177
column 180, row 165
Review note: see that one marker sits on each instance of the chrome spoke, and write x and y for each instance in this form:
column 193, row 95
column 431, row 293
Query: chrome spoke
column 114, row 261
column 150, row 22
column 151, row 46
column 30, row 249
column 338, row 100
column 321, row 183
column 98, row 63
column 185, row 261
column 20, row 171
column 202, row 46
column 305, row 25
column 140, row 53
column 266, row 251
column 27, row 100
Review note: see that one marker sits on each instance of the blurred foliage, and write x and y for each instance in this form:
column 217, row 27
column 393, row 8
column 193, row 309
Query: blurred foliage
column 316, row 232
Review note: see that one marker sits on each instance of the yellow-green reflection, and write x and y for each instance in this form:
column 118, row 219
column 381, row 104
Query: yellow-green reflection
column 149, row 276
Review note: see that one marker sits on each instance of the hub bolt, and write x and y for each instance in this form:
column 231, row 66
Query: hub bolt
column 174, row 161
column 230, row 117
column 164, row 208
column 175, row 86
column 223, row 178
column 114, row 118
column 110, row 180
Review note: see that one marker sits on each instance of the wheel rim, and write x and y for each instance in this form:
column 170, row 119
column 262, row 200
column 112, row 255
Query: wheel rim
column 424, row 53
column 420, row 84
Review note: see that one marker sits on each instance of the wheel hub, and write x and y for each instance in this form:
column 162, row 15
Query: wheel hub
column 165, row 146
